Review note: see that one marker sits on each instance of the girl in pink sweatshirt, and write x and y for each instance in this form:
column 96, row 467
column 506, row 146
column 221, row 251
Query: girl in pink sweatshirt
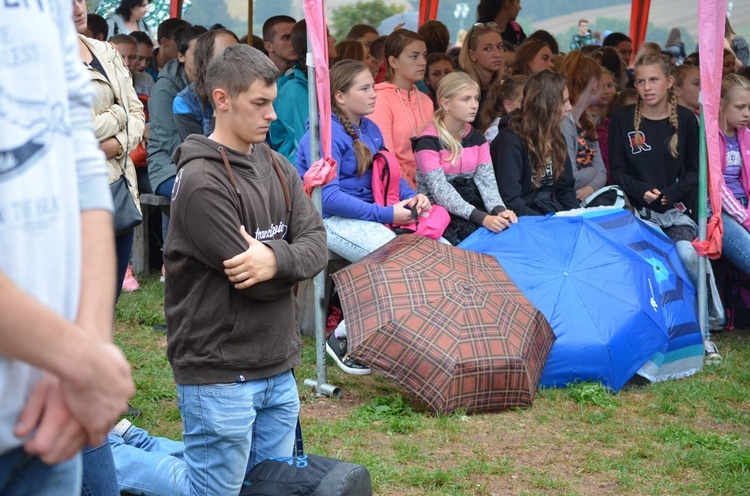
column 401, row 110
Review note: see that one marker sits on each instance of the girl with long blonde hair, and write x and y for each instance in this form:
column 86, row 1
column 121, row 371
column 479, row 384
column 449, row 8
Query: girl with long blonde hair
column 454, row 168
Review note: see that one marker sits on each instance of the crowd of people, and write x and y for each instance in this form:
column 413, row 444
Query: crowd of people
column 504, row 126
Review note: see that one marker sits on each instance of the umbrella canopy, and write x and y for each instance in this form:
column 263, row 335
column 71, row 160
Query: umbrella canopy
column 446, row 324
column 410, row 18
column 611, row 301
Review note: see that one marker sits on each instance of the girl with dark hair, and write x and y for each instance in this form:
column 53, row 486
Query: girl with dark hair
column 438, row 66
column 129, row 17
column 193, row 113
column 454, row 164
column 736, row 43
column 582, row 75
column 531, row 57
column 503, row 98
column 504, row 14
column 401, row 110
column 600, row 112
column 532, row 166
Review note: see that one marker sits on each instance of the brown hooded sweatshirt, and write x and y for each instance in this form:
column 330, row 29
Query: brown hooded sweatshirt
column 216, row 333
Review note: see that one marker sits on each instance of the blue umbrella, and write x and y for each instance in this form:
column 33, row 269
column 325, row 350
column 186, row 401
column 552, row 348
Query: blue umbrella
column 611, row 302
column 410, row 18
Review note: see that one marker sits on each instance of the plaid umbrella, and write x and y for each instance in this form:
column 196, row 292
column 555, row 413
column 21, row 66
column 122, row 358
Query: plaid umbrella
column 446, row 324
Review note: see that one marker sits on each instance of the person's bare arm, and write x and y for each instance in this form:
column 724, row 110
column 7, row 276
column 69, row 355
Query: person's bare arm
column 96, row 307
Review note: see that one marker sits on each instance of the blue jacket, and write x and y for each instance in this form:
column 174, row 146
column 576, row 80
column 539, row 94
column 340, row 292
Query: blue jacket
column 190, row 116
column 292, row 111
column 348, row 194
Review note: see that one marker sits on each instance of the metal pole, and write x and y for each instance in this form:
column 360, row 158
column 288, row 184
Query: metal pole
column 702, row 194
column 321, row 386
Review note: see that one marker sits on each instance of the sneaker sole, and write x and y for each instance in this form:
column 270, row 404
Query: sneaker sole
column 342, row 366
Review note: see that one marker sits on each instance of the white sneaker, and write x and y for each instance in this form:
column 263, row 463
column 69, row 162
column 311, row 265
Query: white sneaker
column 122, row 427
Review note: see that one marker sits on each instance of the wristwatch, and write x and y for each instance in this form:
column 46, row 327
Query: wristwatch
column 120, row 151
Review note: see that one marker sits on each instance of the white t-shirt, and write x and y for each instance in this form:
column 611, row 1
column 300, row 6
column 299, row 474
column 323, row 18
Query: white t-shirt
column 51, row 169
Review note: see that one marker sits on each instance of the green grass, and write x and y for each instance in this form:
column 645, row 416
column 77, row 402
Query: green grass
column 679, row 437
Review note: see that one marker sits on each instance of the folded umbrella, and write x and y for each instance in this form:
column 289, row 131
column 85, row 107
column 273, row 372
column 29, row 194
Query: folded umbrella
column 446, row 324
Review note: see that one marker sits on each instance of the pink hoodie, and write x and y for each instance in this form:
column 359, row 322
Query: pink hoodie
column 401, row 115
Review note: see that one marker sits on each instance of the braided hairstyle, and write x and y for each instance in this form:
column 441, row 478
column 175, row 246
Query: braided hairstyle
column 665, row 63
column 448, row 88
column 343, row 74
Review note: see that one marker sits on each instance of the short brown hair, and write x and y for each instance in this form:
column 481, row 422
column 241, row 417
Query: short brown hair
column 436, row 36
column 237, row 67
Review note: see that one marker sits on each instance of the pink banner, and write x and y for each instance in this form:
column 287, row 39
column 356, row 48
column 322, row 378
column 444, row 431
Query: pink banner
column 711, row 17
column 322, row 171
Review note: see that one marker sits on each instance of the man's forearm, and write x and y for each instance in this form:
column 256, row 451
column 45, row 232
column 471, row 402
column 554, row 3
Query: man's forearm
column 97, row 303
column 33, row 333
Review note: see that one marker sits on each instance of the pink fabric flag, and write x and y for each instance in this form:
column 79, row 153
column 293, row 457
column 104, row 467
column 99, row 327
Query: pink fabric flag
column 711, row 18
column 322, row 171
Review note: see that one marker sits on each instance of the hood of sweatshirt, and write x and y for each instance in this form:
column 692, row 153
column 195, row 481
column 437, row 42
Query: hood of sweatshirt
column 198, row 147
column 392, row 92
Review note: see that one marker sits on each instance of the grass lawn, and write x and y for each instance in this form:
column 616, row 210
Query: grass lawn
column 679, row 437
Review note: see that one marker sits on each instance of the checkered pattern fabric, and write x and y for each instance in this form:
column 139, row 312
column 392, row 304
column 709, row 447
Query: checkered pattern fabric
column 446, row 324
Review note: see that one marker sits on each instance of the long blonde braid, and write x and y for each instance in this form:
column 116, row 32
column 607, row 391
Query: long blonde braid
column 637, row 121
column 675, row 122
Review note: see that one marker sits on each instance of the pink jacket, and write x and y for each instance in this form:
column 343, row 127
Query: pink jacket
column 401, row 115
column 728, row 202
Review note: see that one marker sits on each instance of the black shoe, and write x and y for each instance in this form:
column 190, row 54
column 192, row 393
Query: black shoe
column 133, row 412
column 336, row 349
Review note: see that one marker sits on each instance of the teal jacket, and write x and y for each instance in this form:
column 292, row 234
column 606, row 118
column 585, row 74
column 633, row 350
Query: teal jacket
column 163, row 135
column 292, row 111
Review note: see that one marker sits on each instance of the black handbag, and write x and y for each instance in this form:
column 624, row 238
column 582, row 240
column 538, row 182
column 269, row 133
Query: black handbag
column 127, row 215
column 306, row 475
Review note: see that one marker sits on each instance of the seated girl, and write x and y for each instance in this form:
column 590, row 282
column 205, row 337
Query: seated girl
column 503, row 98
column 353, row 220
column 401, row 110
column 582, row 75
column 735, row 183
column 454, row 167
column 532, row 166
column 653, row 156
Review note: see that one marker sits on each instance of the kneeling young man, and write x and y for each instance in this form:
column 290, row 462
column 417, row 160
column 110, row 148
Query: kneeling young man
column 242, row 233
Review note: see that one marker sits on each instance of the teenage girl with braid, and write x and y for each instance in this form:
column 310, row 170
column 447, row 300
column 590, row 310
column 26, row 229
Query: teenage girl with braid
column 353, row 221
column 653, row 156
column 402, row 111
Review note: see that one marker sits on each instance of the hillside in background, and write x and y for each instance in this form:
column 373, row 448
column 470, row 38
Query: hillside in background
column 557, row 16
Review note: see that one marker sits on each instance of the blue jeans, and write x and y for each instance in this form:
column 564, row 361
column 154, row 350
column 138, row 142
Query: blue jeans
column 99, row 476
column 22, row 474
column 165, row 189
column 352, row 239
column 227, row 430
column 736, row 243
